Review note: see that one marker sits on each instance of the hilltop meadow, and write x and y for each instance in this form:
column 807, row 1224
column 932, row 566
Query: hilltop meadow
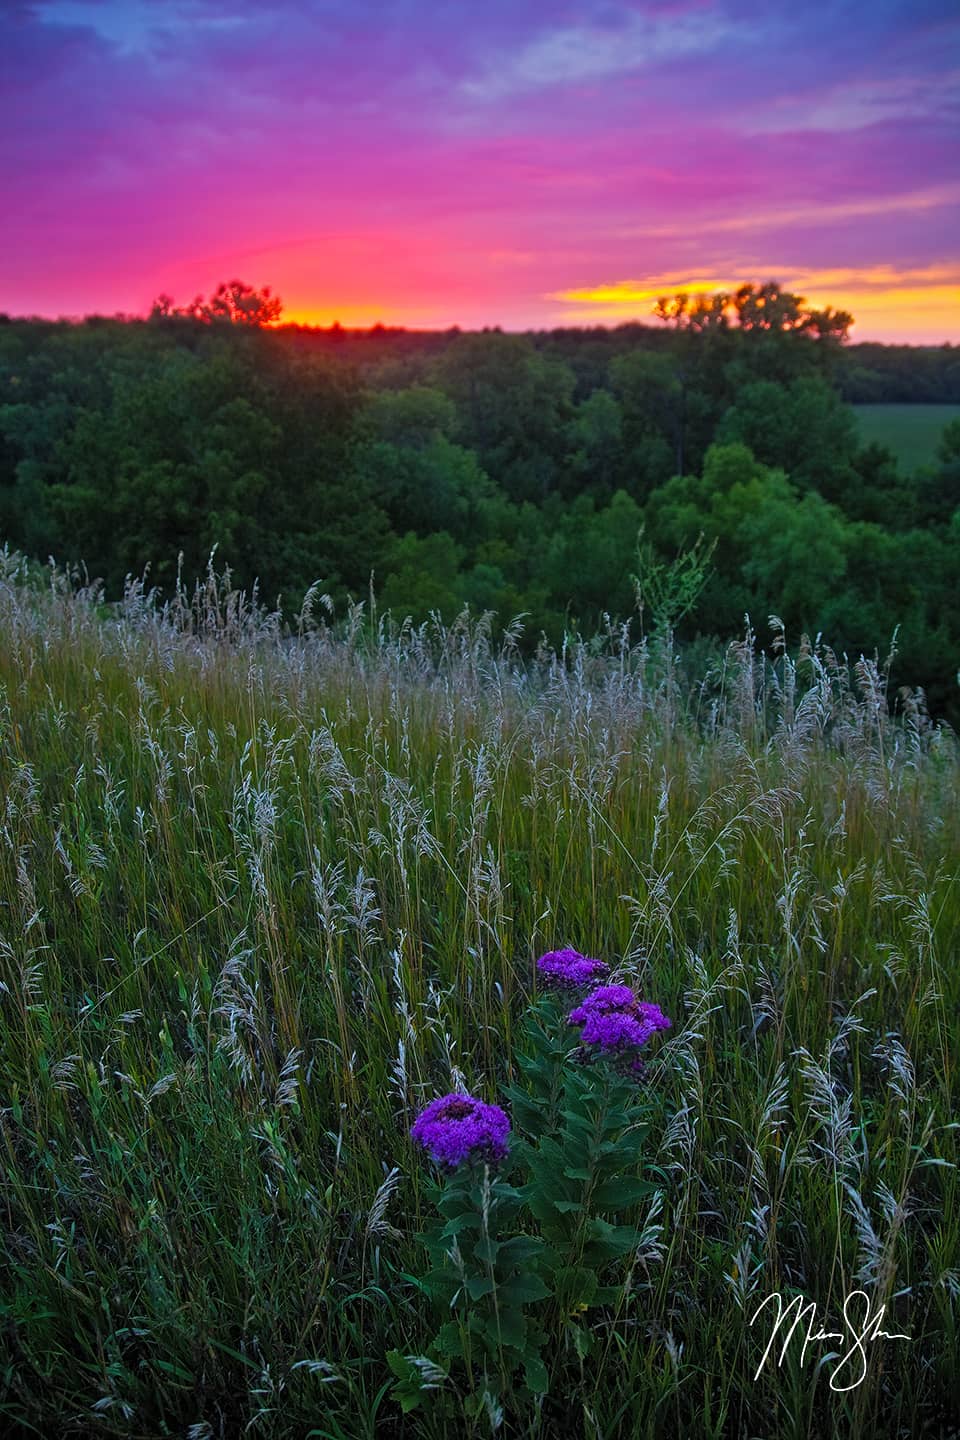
column 268, row 889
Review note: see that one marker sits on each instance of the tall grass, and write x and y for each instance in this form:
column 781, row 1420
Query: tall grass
column 263, row 894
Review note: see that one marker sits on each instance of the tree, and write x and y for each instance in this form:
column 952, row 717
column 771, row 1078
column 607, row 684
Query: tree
column 765, row 315
column 938, row 486
column 802, row 428
column 412, row 418
column 423, row 576
column 234, row 302
column 776, row 550
column 879, row 493
column 424, row 481
column 705, row 312
column 767, row 307
column 513, row 407
column 653, row 403
column 244, row 445
column 240, row 304
column 596, row 439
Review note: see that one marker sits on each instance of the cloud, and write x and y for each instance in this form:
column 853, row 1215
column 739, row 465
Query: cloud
column 876, row 278
column 587, row 52
column 818, row 213
column 133, row 26
column 860, row 104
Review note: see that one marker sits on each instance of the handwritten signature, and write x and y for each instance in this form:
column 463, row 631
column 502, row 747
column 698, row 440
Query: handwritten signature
column 862, row 1332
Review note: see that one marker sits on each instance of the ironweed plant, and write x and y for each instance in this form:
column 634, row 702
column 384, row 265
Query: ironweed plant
column 576, row 1175
column 265, row 893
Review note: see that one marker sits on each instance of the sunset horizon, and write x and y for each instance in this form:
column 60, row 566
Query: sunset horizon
column 603, row 307
column 529, row 168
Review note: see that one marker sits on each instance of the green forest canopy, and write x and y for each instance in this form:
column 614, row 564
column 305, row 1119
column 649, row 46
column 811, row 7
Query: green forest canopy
column 513, row 473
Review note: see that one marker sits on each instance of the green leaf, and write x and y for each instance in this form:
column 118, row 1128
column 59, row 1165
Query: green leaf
column 487, row 1250
column 478, row 1286
column 535, row 1374
column 520, row 1248
column 408, row 1389
column 513, row 1329
column 567, row 1207
column 525, row 1112
column 440, row 1285
column 522, row 1289
column 458, row 1223
column 450, row 1341
column 610, row 1242
column 583, row 1340
column 504, row 1199
column 400, row 1365
column 580, row 1124
column 621, row 1192
column 541, row 1207
column 550, row 1152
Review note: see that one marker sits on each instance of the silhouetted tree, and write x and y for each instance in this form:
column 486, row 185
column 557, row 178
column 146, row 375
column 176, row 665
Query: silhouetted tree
column 242, row 305
column 233, row 301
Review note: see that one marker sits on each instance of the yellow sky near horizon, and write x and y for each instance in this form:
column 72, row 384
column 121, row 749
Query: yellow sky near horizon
column 883, row 300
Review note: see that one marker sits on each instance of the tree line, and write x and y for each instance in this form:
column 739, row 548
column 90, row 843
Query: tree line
column 514, row 473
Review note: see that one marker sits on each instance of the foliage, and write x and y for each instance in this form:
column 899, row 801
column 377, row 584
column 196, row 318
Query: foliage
column 505, row 1294
column 234, row 302
column 802, row 428
column 670, row 592
column 511, row 473
column 765, row 308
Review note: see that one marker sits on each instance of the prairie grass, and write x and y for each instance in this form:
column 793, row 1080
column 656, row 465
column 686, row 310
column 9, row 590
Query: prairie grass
column 263, row 894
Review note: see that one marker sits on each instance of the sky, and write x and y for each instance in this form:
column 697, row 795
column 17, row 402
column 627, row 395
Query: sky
column 522, row 163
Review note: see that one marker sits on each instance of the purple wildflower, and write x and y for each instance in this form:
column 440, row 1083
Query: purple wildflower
column 653, row 1015
column 602, row 1001
column 615, row 1031
column 568, row 969
column 456, row 1128
column 617, row 1023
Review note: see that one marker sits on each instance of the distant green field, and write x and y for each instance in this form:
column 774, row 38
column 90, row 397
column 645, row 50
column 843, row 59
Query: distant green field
column 912, row 432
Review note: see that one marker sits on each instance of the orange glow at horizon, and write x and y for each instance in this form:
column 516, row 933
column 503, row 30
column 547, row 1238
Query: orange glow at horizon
column 537, row 166
column 881, row 299
column 350, row 317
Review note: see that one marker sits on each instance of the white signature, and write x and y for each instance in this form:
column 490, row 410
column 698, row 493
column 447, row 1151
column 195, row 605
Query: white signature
column 805, row 1312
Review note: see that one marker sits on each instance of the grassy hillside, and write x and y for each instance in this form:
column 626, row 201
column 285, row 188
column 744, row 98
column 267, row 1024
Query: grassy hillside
column 261, row 899
column 912, row 432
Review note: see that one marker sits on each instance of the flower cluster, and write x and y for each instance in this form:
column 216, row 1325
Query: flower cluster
column 455, row 1129
column 603, row 1001
column 569, row 970
column 617, row 1024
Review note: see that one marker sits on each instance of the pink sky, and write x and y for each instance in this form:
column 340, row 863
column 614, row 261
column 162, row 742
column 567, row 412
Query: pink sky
column 522, row 164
